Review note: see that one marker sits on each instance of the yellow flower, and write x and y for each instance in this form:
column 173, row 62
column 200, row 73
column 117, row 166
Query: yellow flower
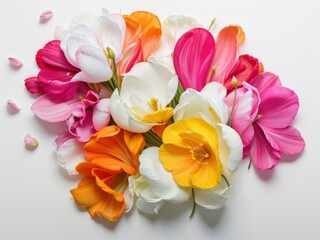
column 191, row 152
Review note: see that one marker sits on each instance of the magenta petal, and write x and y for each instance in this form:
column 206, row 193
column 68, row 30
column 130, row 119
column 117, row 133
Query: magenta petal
column 286, row 140
column 264, row 81
column 278, row 107
column 263, row 156
column 50, row 111
column 56, row 83
column 245, row 70
column 32, row 86
column 192, row 58
column 52, row 55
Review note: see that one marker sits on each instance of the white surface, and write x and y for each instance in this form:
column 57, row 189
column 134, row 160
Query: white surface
column 283, row 204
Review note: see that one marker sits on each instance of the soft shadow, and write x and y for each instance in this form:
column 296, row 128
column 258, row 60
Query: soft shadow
column 172, row 211
column 210, row 217
column 287, row 159
column 106, row 223
column 52, row 128
column 265, row 175
column 169, row 212
column 65, row 175
column 100, row 220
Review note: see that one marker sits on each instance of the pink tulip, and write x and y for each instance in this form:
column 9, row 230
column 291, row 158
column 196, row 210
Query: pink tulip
column 55, row 75
column 192, row 58
column 198, row 59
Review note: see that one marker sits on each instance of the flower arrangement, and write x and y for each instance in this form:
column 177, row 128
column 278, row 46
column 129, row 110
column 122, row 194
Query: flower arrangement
column 148, row 128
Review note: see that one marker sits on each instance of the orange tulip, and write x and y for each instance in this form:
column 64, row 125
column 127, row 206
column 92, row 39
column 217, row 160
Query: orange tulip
column 112, row 155
column 142, row 38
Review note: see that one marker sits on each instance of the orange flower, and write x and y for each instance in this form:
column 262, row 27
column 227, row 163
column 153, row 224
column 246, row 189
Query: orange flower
column 143, row 34
column 112, row 155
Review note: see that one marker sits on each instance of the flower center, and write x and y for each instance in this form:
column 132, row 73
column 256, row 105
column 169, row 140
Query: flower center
column 200, row 149
column 154, row 104
column 200, row 153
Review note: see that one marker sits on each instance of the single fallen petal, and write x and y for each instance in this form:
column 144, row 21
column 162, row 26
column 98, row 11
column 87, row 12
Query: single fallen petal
column 45, row 16
column 14, row 62
column 30, row 142
column 13, row 106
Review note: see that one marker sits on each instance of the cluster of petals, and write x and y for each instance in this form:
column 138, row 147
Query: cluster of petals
column 153, row 128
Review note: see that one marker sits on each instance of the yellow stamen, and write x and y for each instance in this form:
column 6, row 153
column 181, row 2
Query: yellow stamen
column 154, row 104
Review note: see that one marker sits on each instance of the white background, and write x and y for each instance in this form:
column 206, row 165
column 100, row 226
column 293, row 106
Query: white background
column 282, row 204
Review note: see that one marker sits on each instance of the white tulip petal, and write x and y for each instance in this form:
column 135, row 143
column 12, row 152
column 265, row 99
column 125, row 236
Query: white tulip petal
column 175, row 26
column 215, row 93
column 160, row 180
column 101, row 114
column 94, row 65
column 192, row 104
column 151, row 208
column 69, row 155
column 74, row 39
column 128, row 199
column 214, row 198
column 231, row 148
column 121, row 115
column 151, row 80
column 111, row 33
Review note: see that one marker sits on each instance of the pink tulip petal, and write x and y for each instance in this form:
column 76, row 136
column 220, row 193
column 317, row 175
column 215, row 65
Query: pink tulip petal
column 263, row 156
column 13, row 106
column 30, row 142
column 15, row 63
column 82, row 128
column 264, row 81
column 57, row 84
column 226, row 55
column 245, row 70
column 278, row 107
column 45, row 16
column 32, row 85
column 50, row 111
column 53, row 56
column 192, row 58
column 286, row 140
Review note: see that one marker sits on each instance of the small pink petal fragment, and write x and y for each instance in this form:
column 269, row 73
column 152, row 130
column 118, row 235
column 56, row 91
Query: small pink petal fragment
column 30, row 142
column 13, row 106
column 14, row 62
column 45, row 16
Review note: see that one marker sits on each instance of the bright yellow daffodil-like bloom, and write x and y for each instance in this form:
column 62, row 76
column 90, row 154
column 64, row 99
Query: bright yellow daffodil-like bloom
column 190, row 152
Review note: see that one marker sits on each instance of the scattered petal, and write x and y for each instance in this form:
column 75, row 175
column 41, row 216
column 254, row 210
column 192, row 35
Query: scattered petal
column 13, row 106
column 15, row 63
column 30, row 142
column 45, row 16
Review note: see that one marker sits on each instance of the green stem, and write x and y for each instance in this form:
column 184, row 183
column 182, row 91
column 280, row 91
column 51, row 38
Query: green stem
column 152, row 139
column 233, row 106
column 175, row 101
column 211, row 24
column 226, row 180
column 249, row 166
column 193, row 204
